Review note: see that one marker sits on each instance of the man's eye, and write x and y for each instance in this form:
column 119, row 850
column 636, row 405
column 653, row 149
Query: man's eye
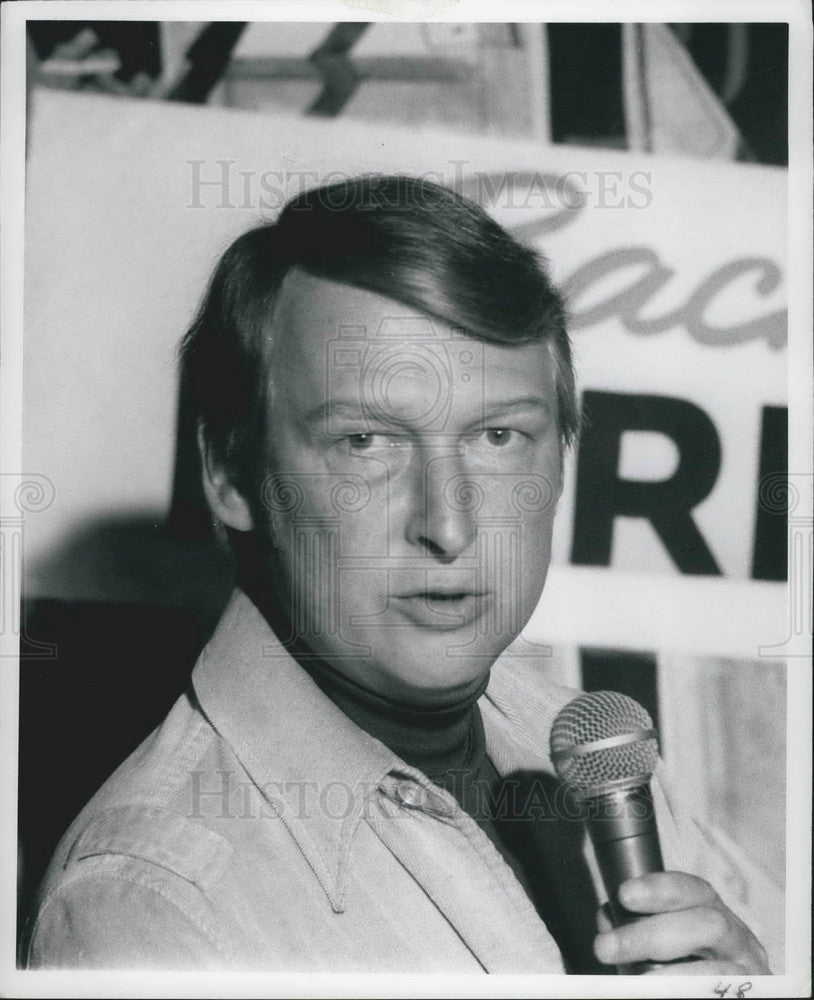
column 367, row 441
column 499, row 437
column 361, row 442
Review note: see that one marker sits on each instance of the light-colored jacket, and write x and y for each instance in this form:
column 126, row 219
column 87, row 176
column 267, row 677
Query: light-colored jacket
column 258, row 828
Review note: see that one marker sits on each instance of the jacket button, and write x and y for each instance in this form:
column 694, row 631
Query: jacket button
column 410, row 795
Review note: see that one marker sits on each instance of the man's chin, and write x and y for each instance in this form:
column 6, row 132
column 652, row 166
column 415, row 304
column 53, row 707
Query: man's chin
column 436, row 670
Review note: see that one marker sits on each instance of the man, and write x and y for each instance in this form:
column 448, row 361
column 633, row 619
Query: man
column 357, row 778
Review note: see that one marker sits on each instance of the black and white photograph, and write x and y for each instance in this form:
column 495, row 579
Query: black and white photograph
column 406, row 499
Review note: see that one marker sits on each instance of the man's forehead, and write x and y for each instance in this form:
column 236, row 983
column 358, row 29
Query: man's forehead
column 311, row 306
column 328, row 336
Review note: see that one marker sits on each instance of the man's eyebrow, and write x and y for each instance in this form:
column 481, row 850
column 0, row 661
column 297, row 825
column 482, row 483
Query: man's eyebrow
column 498, row 407
column 332, row 408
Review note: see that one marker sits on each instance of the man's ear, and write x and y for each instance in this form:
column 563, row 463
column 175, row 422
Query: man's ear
column 225, row 500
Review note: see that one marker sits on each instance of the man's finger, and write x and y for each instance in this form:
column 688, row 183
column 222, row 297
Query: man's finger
column 663, row 892
column 667, row 936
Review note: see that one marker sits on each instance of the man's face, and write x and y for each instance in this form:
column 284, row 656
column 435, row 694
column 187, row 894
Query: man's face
column 413, row 476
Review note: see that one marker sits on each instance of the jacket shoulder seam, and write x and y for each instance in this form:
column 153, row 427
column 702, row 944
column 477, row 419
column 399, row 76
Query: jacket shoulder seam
column 144, row 880
column 158, row 836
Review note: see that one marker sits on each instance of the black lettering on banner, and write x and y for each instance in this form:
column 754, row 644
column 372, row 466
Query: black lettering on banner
column 601, row 495
column 770, row 552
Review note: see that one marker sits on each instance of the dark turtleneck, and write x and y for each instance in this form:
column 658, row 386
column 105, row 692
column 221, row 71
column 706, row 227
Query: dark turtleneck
column 443, row 742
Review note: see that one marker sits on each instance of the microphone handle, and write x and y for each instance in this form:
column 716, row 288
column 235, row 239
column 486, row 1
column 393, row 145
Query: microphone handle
column 622, row 827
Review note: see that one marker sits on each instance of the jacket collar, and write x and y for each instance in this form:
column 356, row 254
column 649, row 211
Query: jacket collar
column 315, row 767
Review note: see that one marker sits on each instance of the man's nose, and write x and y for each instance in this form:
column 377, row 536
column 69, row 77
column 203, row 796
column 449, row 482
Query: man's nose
column 442, row 518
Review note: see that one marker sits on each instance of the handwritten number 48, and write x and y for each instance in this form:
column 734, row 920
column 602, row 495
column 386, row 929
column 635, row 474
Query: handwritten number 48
column 740, row 991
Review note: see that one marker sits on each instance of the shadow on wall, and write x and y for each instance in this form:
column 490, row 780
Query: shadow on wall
column 135, row 559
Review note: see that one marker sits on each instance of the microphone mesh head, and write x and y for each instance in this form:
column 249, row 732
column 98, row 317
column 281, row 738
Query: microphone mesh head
column 602, row 715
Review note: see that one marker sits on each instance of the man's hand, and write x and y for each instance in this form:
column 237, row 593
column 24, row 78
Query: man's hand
column 687, row 926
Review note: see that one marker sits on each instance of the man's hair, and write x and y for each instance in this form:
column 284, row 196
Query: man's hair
column 407, row 239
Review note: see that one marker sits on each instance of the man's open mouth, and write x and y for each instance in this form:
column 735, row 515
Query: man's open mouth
column 442, row 595
column 442, row 609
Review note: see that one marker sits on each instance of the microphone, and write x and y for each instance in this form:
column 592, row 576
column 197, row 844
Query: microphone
column 604, row 749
